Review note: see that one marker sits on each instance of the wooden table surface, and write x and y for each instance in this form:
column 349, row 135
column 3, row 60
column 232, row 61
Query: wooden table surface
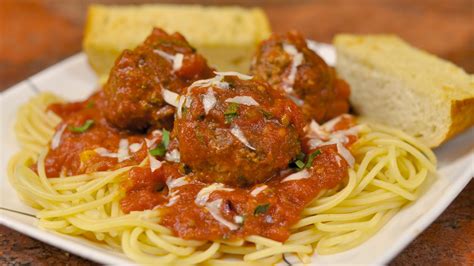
column 35, row 34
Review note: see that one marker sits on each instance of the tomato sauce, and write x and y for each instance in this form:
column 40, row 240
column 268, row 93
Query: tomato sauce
column 75, row 154
column 270, row 213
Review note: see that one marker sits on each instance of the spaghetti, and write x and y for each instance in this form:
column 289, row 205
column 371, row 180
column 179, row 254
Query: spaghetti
column 389, row 169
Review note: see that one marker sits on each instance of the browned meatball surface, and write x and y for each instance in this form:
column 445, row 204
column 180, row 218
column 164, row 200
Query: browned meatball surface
column 237, row 131
column 134, row 89
column 286, row 62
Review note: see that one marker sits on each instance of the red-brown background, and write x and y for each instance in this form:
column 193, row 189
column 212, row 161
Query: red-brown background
column 35, row 34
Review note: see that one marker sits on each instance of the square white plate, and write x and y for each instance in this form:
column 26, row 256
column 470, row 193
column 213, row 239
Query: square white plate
column 74, row 80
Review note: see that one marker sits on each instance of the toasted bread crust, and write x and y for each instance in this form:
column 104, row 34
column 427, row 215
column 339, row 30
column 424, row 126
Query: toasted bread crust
column 462, row 115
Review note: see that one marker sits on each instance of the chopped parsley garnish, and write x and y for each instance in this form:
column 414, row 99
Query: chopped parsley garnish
column 261, row 209
column 83, row 128
column 90, row 105
column 231, row 112
column 299, row 161
column 300, row 164
column 311, row 157
column 165, row 140
column 160, row 150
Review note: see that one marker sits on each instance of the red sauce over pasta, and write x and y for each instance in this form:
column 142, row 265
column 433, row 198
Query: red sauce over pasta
column 238, row 161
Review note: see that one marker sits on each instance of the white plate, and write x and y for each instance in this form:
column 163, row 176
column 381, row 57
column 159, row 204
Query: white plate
column 74, row 80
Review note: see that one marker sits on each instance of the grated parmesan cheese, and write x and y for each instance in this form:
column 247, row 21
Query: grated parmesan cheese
column 105, row 153
column 245, row 100
column 209, row 100
column 235, row 130
column 346, row 154
column 122, row 153
column 173, row 156
column 257, row 190
column 174, row 183
column 57, row 137
column 297, row 176
column 179, row 107
column 297, row 59
column 176, row 60
column 170, row 97
column 203, row 195
column 214, row 209
column 239, row 219
column 135, row 147
column 172, row 201
column 154, row 163
column 215, row 81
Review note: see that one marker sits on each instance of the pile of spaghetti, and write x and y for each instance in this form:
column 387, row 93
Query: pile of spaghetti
column 388, row 170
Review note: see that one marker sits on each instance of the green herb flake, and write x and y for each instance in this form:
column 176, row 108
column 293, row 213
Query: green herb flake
column 160, row 150
column 300, row 164
column 83, row 128
column 261, row 209
column 311, row 158
column 90, row 105
column 165, row 140
column 231, row 112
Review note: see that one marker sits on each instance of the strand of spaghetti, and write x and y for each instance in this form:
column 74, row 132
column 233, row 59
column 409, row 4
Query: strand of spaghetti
column 237, row 250
column 338, row 239
column 182, row 242
column 409, row 139
column 156, row 251
column 344, row 217
column 366, row 179
column 263, row 241
column 52, row 224
column 200, row 256
column 42, row 173
column 78, row 208
column 391, row 187
column 234, row 243
column 362, row 167
column 67, row 186
column 100, row 182
column 77, row 178
column 418, row 155
column 321, row 249
column 335, row 227
column 108, row 224
column 277, row 250
column 370, row 198
column 130, row 248
column 308, row 236
column 179, row 251
column 335, row 199
column 92, row 186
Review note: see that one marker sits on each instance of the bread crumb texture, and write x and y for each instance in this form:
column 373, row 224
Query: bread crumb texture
column 226, row 36
column 405, row 87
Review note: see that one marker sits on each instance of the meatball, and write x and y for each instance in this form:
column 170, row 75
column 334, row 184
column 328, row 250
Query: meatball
column 236, row 130
column 133, row 92
column 286, row 62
